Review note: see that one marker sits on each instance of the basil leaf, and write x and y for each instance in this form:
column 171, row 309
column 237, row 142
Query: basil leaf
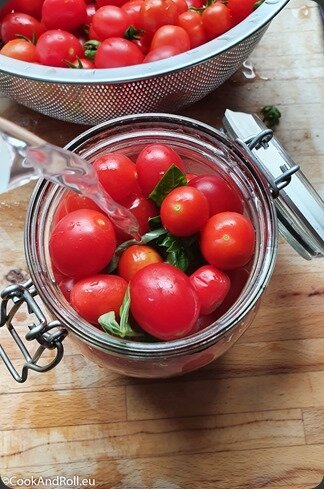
column 179, row 259
column 172, row 179
column 123, row 329
column 155, row 222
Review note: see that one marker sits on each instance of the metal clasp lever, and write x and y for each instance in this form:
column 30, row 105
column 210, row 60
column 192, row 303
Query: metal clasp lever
column 48, row 335
column 261, row 140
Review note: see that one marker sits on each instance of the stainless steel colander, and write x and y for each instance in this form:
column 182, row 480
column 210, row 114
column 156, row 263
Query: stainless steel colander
column 93, row 96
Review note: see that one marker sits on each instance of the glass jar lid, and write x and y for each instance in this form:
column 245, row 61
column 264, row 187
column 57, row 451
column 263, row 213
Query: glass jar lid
column 299, row 207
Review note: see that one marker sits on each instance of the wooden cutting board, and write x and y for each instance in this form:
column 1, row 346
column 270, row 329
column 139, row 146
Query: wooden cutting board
column 255, row 418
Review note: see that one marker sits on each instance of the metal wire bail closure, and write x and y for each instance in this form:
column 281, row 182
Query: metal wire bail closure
column 49, row 335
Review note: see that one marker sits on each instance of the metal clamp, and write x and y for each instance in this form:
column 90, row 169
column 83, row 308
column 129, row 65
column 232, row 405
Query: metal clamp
column 261, row 140
column 49, row 335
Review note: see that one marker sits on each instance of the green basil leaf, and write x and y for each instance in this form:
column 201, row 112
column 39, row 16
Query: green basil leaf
column 123, row 329
column 155, row 222
column 179, row 259
column 172, row 179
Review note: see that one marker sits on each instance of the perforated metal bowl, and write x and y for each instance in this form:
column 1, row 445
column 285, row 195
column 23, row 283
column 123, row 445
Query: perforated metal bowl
column 93, row 96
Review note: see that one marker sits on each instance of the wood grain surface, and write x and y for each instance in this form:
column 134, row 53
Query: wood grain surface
column 255, row 418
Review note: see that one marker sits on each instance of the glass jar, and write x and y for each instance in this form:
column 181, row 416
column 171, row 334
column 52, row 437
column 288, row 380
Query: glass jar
column 204, row 150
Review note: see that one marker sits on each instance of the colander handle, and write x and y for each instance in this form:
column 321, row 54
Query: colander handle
column 48, row 335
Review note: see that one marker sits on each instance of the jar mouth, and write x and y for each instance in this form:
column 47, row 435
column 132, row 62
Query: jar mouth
column 189, row 137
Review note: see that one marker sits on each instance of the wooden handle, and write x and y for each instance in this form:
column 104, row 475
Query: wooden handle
column 20, row 133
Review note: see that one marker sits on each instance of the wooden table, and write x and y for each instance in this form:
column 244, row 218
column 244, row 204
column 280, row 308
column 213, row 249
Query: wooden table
column 255, row 418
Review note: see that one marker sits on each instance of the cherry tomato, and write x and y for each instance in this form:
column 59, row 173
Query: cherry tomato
column 240, row 9
column 30, row 7
column 68, row 16
column 132, row 9
column 20, row 49
column 102, row 3
column 228, row 240
column 73, row 202
column 143, row 209
column 216, row 20
column 116, row 51
column 212, row 286
column 143, row 41
column 152, row 163
column 220, row 195
column 191, row 21
column 92, row 34
column 66, row 284
column 91, row 9
column 163, row 301
column 14, row 25
column 110, row 21
column 96, row 295
column 117, row 174
column 83, row 64
column 135, row 258
column 155, row 13
column 195, row 3
column 171, row 35
column 238, row 278
column 184, row 211
column 82, row 243
column 163, row 52
column 56, row 47
column 6, row 9
column 181, row 6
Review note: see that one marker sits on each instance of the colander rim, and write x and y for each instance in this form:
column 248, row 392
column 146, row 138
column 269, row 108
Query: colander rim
column 256, row 21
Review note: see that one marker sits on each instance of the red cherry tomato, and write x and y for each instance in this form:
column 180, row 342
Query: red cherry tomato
column 181, row 6
column 135, row 258
column 143, row 209
column 195, row 3
column 228, row 240
column 143, row 42
column 14, row 25
column 211, row 285
column 6, row 9
column 83, row 64
column 216, row 20
column 20, row 49
column 163, row 301
column 115, row 52
column 155, row 13
column 117, row 174
column 171, row 35
column 220, row 195
column 96, row 295
column 67, row 16
column 240, row 9
column 238, row 278
column 110, row 21
column 30, row 7
column 82, row 243
column 152, row 163
column 92, row 34
column 56, row 47
column 132, row 9
column 184, row 211
column 102, row 3
column 91, row 10
column 73, row 202
column 192, row 23
column 163, row 52
column 66, row 284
